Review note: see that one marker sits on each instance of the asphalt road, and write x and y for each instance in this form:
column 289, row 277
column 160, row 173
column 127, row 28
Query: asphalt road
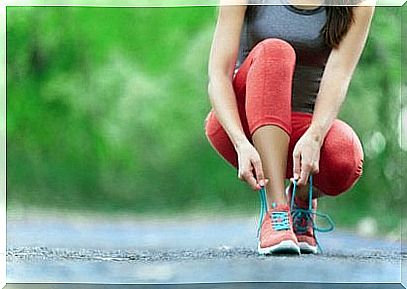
column 58, row 248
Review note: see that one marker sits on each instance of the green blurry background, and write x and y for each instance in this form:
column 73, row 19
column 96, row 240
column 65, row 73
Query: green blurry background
column 106, row 106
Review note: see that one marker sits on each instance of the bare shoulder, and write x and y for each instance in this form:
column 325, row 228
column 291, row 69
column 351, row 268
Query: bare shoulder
column 232, row 3
column 233, row 8
column 226, row 39
column 230, row 19
column 365, row 8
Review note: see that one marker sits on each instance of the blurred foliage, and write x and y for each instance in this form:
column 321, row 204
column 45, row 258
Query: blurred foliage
column 106, row 106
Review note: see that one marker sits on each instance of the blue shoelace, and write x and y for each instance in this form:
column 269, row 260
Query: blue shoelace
column 279, row 220
column 305, row 216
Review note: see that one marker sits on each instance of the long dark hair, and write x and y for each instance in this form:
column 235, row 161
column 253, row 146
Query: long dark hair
column 339, row 20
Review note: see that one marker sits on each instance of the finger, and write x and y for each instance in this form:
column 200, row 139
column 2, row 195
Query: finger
column 249, row 178
column 315, row 169
column 240, row 175
column 296, row 165
column 259, row 172
column 305, row 171
column 242, row 171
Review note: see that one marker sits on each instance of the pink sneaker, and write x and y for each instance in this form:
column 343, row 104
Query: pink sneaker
column 303, row 223
column 304, row 216
column 276, row 232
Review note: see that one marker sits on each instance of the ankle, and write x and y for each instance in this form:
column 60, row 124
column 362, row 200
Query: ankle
column 277, row 202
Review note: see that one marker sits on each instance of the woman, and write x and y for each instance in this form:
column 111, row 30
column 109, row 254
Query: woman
column 278, row 75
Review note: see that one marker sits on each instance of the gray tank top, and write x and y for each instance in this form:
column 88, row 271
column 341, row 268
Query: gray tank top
column 301, row 28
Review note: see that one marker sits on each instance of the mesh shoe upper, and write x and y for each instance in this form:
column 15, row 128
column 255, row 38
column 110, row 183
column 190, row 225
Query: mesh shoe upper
column 276, row 226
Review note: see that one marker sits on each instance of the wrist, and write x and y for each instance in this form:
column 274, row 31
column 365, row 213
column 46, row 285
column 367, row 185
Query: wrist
column 317, row 133
column 241, row 142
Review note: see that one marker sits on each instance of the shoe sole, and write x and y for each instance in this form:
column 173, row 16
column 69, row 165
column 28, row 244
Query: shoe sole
column 283, row 247
column 307, row 248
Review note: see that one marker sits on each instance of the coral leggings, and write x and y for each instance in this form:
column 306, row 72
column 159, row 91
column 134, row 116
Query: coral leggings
column 263, row 89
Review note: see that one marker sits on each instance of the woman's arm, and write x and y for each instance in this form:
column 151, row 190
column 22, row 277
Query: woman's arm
column 339, row 70
column 334, row 85
column 222, row 62
column 221, row 66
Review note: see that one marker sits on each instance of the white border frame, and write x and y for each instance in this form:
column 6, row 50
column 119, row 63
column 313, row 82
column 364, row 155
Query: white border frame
column 3, row 157
column 155, row 3
column 97, row 3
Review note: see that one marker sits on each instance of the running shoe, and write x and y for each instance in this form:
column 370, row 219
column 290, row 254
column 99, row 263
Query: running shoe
column 304, row 219
column 275, row 230
column 303, row 223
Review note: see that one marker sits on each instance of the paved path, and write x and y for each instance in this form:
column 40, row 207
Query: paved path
column 123, row 250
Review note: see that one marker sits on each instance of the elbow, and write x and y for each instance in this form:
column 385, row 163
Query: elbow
column 210, row 89
column 211, row 86
column 217, row 82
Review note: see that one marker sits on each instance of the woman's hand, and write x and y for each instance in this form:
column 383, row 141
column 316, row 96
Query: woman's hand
column 249, row 159
column 306, row 156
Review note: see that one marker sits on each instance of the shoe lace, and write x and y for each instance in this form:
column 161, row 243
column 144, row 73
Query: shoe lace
column 305, row 216
column 279, row 219
column 263, row 208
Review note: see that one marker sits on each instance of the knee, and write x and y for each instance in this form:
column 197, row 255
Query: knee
column 343, row 150
column 275, row 48
column 345, row 175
